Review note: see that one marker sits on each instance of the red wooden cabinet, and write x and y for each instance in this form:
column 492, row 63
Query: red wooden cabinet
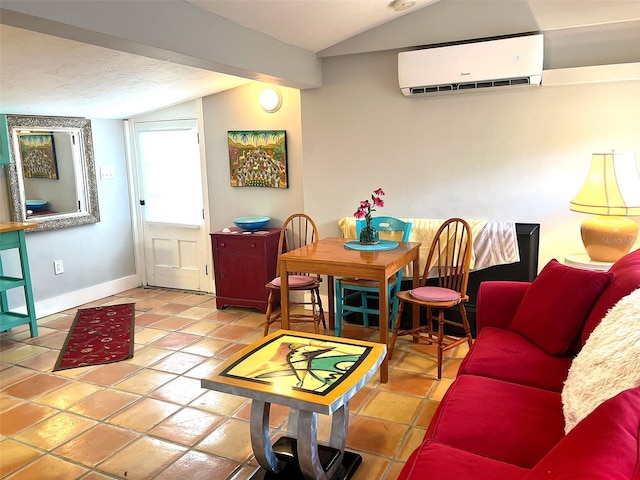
column 243, row 264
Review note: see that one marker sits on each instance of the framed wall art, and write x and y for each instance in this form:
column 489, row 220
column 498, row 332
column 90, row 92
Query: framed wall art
column 38, row 156
column 258, row 158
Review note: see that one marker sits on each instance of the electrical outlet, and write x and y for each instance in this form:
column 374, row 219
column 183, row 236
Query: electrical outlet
column 58, row 268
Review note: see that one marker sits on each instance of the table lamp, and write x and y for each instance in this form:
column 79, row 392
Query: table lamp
column 611, row 192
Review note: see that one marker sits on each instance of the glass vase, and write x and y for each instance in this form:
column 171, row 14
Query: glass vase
column 369, row 235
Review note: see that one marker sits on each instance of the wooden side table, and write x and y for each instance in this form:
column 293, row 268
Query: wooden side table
column 12, row 238
column 243, row 263
column 582, row 260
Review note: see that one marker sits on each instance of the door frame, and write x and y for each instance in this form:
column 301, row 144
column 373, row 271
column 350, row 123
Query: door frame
column 133, row 173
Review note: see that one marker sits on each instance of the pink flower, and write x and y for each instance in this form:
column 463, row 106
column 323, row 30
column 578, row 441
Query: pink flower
column 366, row 207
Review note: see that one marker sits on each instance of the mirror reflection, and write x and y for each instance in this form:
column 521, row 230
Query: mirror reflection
column 52, row 173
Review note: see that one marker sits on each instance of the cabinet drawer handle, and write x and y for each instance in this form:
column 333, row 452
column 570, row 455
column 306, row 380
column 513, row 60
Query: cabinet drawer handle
column 253, row 245
column 222, row 244
column 222, row 275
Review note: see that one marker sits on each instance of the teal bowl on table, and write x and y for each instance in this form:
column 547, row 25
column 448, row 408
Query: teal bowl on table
column 35, row 204
column 251, row 223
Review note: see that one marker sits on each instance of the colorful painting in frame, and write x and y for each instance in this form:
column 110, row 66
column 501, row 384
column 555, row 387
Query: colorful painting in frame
column 258, row 158
column 38, row 155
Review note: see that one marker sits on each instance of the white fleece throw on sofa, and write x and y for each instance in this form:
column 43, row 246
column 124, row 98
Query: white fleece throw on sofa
column 608, row 363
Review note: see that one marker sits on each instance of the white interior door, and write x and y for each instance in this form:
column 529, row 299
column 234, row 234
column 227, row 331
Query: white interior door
column 171, row 199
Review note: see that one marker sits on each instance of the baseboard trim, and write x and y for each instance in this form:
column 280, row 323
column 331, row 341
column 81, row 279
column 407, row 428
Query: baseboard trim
column 64, row 302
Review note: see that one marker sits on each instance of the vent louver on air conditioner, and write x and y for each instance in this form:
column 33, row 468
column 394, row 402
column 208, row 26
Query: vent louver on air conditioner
column 472, row 66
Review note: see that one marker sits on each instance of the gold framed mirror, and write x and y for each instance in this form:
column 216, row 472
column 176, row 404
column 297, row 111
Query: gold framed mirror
column 52, row 175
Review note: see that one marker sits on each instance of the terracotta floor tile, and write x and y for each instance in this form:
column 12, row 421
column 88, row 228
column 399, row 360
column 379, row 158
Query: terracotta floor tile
column 149, row 304
column 229, row 316
column 196, row 313
column 176, row 341
column 220, row 403
column 392, row 406
column 110, row 374
column 179, row 362
column 195, row 299
column 147, row 335
column 170, row 309
column 204, row 369
column 278, row 414
column 54, row 339
column 34, row 386
column 103, row 404
column 7, row 402
column 14, row 456
column 375, row 436
column 201, row 327
column 144, row 381
column 67, row 395
column 426, row 413
column 199, row 466
column 148, row 355
column 413, row 441
column 393, row 472
column 187, row 427
column 410, row 383
column 231, row 350
column 440, row 389
column 182, row 390
column 233, row 332
column 43, row 362
column 371, row 467
column 82, row 449
column 49, row 466
column 55, row 430
column 169, row 296
column 230, row 440
column 21, row 353
column 22, row 416
column 58, row 321
column 206, row 347
column 173, row 323
column 15, row 374
column 146, row 319
column 144, row 458
column 144, row 415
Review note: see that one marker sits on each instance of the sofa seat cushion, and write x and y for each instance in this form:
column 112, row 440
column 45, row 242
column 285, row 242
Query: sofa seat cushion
column 556, row 305
column 603, row 446
column 432, row 460
column 504, row 421
column 507, row 355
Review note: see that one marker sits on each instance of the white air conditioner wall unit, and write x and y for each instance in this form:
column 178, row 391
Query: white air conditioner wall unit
column 470, row 66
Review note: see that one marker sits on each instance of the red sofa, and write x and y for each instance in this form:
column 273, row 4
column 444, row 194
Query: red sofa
column 502, row 418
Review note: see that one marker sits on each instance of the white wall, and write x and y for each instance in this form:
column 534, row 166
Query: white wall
column 516, row 155
column 239, row 109
column 98, row 258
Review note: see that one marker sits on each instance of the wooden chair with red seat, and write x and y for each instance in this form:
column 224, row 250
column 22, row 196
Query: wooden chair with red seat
column 297, row 231
column 443, row 286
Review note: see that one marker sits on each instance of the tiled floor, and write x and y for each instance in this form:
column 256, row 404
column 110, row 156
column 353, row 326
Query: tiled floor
column 148, row 417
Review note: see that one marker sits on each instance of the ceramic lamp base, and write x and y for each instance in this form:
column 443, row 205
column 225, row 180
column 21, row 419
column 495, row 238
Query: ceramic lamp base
column 608, row 238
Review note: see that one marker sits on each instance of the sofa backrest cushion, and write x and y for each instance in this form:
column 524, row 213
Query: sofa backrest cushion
column 604, row 446
column 556, row 304
column 625, row 280
column 607, row 364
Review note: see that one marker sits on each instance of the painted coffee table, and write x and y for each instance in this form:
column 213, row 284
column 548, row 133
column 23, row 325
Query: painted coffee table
column 310, row 374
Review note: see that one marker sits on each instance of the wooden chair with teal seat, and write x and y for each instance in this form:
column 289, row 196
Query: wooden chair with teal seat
column 354, row 295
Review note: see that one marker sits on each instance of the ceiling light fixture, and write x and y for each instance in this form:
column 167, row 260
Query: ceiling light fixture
column 271, row 100
column 401, row 5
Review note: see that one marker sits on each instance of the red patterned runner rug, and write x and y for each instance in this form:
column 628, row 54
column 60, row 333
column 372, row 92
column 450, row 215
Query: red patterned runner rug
column 99, row 335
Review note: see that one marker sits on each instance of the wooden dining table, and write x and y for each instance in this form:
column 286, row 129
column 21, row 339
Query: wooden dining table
column 330, row 257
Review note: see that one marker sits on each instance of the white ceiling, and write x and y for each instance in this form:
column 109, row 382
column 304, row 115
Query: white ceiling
column 42, row 74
